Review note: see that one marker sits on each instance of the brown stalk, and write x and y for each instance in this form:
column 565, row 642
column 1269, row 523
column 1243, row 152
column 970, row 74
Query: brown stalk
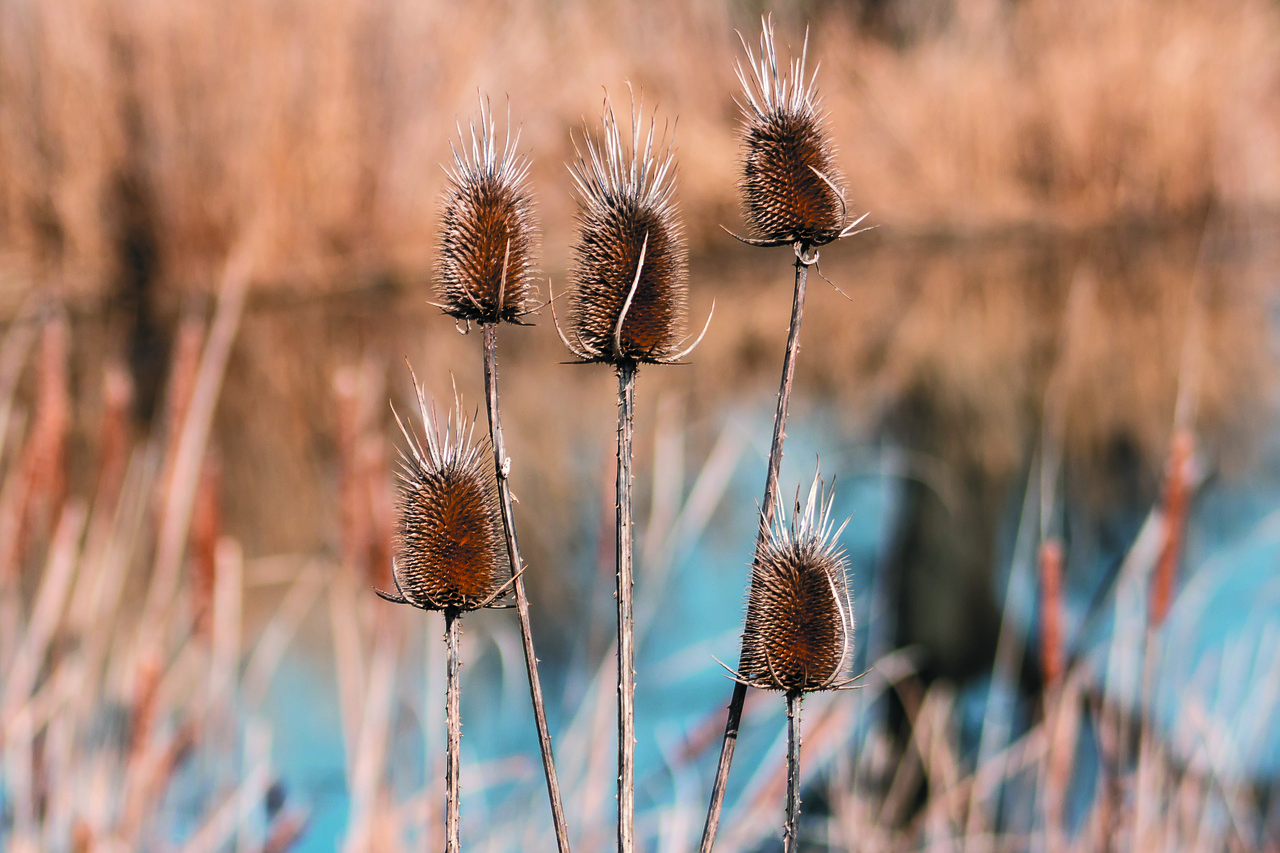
column 626, row 629
column 452, row 756
column 1176, row 496
column 206, row 529
column 790, row 837
column 1051, row 654
column 766, row 518
column 502, row 464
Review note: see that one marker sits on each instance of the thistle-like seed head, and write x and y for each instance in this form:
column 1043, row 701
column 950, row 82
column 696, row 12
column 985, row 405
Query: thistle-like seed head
column 629, row 277
column 799, row 628
column 789, row 184
column 485, row 267
column 450, row 551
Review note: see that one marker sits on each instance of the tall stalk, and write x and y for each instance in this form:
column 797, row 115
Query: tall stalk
column 766, row 518
column 626, row 629
column 627, row 308
column 790, row 833
column 502, row 465
column 452, row 786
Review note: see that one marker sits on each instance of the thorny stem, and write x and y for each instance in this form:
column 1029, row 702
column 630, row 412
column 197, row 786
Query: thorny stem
column 790, row 832
column 766, row 518
column 626, row 630
column 502, row 466
column 452, row 788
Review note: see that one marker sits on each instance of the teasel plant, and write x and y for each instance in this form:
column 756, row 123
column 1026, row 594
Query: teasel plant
column 627, row 307
column 791, row 195
column 449, row 551
column 485, row 273
column 798, row 633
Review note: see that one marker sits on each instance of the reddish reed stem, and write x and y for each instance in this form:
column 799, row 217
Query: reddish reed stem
column 766, row 518
column 1177, row 492
column 1052, row 660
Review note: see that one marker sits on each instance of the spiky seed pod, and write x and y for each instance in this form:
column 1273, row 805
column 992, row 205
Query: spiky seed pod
column 485, row 266
column 450, row 551
column 630, row 262
column 789, row 178
column 799, row 627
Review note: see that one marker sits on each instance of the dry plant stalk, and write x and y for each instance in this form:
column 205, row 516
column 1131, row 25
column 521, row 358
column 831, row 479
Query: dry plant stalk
column 798, row 635
column 450, row 554
column 206, row 529
column 485, row 273
column 1052, row 659
column 627, row 308
column 791, row 195
column 1177, row 494
column 40, row 488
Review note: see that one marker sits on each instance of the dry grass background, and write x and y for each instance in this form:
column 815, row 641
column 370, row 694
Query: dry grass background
column 315, row 130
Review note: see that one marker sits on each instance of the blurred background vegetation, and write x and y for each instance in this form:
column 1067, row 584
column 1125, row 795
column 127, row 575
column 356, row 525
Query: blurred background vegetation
column 217, row 224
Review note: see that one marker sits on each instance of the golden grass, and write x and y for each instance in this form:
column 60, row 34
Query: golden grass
column 316, row 130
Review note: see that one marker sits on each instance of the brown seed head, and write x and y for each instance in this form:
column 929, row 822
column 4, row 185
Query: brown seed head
column 450, row 552
column 485, row 267
column 799, row 628
column 630, row 278
column 789, row 180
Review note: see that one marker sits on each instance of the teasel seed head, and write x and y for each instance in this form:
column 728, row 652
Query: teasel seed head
column 629, row 296
column 449, row 550
column 790, row 186
column 485, row 267
column 799, row 627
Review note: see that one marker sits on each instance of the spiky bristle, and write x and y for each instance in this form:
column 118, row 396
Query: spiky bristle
column 485, row 267
column 789, row 177
column 450, row 552
column 799, row 627
column 627, row 224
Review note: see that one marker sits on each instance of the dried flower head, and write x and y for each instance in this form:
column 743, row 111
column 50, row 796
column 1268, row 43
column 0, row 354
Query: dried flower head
column 630, row 288
column 790, row 186
column 485, row 267
column 450, row 552
column 799, row 628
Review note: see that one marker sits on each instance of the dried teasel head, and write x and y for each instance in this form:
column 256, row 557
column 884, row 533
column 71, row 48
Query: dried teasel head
column 799, row 628
column 449, row 551
column 629, row 297
column 790, row 186
column 485, row 267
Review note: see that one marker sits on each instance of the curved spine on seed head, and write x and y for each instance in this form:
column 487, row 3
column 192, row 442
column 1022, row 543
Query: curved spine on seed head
column 630, row 282
column 450, row 553
column 790, row 185
column 485, row 265
column 798, row 635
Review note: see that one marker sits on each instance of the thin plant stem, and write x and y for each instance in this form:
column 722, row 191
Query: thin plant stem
column 766, row 518
column 502, row 464
column 626, row 630
column 452, row 786
column 790, row 833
